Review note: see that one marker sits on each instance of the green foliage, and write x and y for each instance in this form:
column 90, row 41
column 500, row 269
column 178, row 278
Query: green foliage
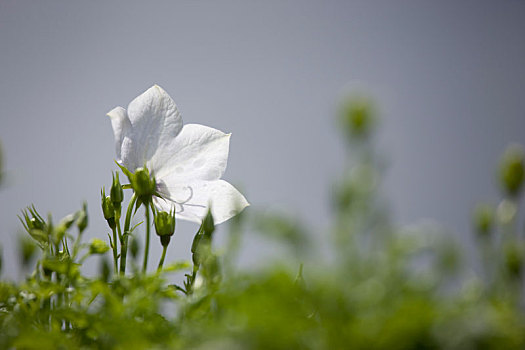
column 383, row 287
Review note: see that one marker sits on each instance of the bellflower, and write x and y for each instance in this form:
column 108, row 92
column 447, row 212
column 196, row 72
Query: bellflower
column 187, row 161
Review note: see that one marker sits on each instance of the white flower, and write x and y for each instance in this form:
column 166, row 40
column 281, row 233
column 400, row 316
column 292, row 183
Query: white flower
column 186, row 161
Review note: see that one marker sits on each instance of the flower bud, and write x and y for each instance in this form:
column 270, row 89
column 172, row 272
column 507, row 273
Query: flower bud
column 357, row 117
column 165, row 223
column 134, row 247
column 141, row 182
column 512, row 172
column 27, row 250
column 208, row 225
column 514, row 258
column 62, row 227
column 98, row 246
column 32, row 220
column 506, row 211
column 82, row 220
column 116, row 193
column 107, row 208
column 483, row 219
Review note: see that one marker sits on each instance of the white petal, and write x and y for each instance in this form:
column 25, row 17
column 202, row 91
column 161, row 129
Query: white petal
column 197, row 153
column 191, row 200
column 121, row 127
column 155, row 122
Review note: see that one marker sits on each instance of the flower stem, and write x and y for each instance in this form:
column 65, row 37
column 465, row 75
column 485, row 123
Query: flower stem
column 124, row 241
column 115, row 252
column 161, row 262
column 146, row 248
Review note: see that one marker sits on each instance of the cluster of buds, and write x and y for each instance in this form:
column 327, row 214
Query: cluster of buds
column 112, row 204
column 165, row 226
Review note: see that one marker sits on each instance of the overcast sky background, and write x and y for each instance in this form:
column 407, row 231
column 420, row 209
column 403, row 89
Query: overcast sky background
column 448, row 77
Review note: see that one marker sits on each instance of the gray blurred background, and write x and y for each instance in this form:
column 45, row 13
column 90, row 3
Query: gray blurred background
column 448, row 77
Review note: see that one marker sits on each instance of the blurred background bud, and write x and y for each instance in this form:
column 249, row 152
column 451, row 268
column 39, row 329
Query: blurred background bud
column 514, row 256
column 27, row 250
column 506, row 212
column 98, row 246
column 511, row 169
column 82, row 219
column 134, row 247
column 357, row 117
column 483, row 219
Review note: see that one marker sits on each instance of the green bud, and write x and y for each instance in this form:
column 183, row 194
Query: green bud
column 107, row 206
column 32, row 220
column 208, row 225
column 82, row 219
column 514, row 257
column 165, row 240
column 116, row 194
column 35, row 223
column 67, row 221
column 107, row 209
column 483, row 219
column 142, row 183
column 27, row 250
column 98, row 246
column 357, row 117
column 165, row 223
column 512, row 170
column 134, row 247
column 62, row 227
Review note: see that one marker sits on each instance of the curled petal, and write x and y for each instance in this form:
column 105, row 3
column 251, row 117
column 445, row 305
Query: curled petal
column 197, row 153
column 155, row 122
column 121, row 127
column 191, row 200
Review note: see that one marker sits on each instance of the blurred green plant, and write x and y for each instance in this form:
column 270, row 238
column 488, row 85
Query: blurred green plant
column 384, row 287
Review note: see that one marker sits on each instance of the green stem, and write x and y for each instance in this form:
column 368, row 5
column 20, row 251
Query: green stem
column 161, row 262
column 124, row 241
column 146, row 248
column 115, row 252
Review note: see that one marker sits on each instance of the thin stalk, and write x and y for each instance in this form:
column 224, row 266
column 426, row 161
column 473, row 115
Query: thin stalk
column 124, row 241
column 119, row 231
column 115, row 252
column 161, row 262
column 146, row 247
